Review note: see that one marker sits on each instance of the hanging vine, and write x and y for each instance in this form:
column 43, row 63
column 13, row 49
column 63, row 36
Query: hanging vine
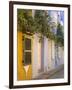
column 41, row 24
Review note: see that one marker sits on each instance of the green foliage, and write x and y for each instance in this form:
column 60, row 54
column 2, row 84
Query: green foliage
column 40, row 23
column 42, row 20
column 60, row 35
column 25, row 21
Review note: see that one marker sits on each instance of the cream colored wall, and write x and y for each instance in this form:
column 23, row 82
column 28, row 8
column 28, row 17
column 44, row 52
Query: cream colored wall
column 35, row 56
column 39, row 55
column 61, row 55
column 53, row 54
column 46, row 52
column 49, row 54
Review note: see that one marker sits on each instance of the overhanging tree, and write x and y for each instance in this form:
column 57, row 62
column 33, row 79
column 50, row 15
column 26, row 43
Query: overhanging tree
column 41, row 24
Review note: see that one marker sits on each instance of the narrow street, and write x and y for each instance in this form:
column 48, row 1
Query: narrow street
column 53, row 74
column 58, row 74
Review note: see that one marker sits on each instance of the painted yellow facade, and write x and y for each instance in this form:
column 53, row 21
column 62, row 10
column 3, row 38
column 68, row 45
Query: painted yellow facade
column 24, row 73
column 21, row 72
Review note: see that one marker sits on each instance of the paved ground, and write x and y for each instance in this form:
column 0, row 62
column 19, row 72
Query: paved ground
column 59, row 74
column 53, row 74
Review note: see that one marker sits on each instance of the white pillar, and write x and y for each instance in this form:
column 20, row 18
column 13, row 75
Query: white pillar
column 35, row 56
column 45, row 54
column 53, row 54
column 49, row 54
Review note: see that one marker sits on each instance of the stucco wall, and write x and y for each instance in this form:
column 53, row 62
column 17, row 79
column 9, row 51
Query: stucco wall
column 20, row 69
column 22, row 74
column 45, row 54
column 35, row 56
column 48, row 53
column 53, row 55
column 61, row 55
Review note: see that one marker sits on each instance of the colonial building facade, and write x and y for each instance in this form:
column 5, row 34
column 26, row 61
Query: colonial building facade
column 34, row 57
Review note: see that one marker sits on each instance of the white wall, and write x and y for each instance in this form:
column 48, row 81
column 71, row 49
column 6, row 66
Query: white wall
column 35, row 56
column 4, row 45
column 53, row 54
column 61, row 55
column 45, row 54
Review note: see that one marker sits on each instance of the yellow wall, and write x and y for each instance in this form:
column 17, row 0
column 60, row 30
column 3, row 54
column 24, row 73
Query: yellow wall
column 21, row 73
column 29, row 73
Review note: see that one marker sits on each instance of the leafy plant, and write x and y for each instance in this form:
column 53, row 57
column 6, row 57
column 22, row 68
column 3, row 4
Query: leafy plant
column 60, row 35
column 40, row 23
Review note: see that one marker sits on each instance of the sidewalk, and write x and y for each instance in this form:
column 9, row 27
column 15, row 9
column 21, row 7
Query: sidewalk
column 52, row 73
